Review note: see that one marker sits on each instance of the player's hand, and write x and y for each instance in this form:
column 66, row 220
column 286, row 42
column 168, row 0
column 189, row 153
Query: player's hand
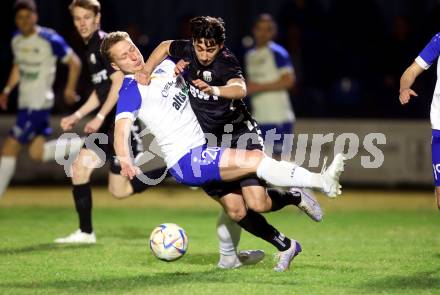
column 128, row 169
column 180, row 67
column 405, row 95
column 252, row 87
column 93, row 125
column 67, row 123
column 70, row 96
column 3, row 101
column 203, row 86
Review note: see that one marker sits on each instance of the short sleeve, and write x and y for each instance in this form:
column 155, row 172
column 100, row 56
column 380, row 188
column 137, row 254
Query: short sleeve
column 59, row 46
column 229, row 67
column 430, row 53
column 282, row 58
column 129, row 101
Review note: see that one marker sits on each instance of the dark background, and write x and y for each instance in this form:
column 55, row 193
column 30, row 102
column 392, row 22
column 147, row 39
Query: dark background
column 348, row 54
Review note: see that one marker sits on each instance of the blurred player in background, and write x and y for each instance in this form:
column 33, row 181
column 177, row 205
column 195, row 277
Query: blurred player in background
column 106, row 82
column 270, row 76
column 36, row 50
column 424, row 60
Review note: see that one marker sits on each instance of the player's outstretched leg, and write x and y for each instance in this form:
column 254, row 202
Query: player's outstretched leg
column 238, row 163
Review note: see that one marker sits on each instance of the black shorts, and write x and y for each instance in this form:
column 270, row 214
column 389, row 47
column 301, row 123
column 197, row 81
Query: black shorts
column 245, row 135
column 102, row 144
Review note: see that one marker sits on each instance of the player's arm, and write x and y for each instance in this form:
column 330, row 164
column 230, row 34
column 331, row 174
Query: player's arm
column 14, row 77
column 67, row 123
column 161, row 52
column 74, row 64
column 129, row 103
column 235, row 88
column 122, row 149
column 285, row 82
column 112, row 98
column 407, row 80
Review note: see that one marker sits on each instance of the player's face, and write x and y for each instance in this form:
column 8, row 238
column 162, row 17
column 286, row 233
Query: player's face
column 264, row 32
column 126, row 57
column 86, row 22
column 206, row 51
column 26, row 21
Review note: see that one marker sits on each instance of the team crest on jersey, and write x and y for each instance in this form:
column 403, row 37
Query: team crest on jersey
column 207, row 76
column 93, row 58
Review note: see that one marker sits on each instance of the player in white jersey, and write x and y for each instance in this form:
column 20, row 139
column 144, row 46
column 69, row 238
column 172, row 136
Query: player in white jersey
column 424, row 60
column 164, row 107
column 36, row 50
column 270, row 75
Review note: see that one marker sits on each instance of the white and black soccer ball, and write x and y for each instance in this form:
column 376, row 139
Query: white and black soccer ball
column 168, row 242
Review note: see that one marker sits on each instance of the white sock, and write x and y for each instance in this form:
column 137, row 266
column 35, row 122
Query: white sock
column 7, row 169
column 287, row 174
column 59, row 148
column 228, row 234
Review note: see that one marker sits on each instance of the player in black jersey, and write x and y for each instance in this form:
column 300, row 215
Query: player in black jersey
column 98, row 146
column 216, row 91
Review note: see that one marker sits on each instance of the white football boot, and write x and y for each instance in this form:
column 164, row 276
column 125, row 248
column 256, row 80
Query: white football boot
column 308, row 203
column 286, row 257
column 245, row 257
column 330, row 176
column 78, row 237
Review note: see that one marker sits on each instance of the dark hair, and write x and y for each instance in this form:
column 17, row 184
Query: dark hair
column 208, row 28
column 24, row 4
column 110, row 40
column 92, row 5
column 264, row 17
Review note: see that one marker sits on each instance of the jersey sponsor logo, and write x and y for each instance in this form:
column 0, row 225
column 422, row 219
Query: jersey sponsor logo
column 200, row 94
column 26, row 50
column 93, row 58
column 99, row 76
column 30, row 76
column 207, row 76
column 180, row 99
column 166, row 89
column 159, row 71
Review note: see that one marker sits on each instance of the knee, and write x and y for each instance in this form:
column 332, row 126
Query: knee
column 255, row 157
column 236, row 214
column 10, row 148
column 118, row 192
column 35, row 154
column 79, row 172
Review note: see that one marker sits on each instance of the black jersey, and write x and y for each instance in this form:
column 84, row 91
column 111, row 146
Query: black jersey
column 100, row 71
column 212, row 112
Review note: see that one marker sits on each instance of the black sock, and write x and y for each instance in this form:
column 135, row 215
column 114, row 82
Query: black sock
column 257, row 225
column 139, row 185
column 82, row 195
column 281, row 199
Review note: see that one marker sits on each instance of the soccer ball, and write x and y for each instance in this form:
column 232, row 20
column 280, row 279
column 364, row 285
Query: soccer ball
column 168, row 242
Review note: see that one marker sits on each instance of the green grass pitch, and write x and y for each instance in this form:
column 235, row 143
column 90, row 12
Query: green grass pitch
column 362, row 248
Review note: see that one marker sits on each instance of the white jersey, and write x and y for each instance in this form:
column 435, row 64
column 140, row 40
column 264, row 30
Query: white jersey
column 36, row 57
column 165, row 109
column 266, row 65
column 425, row 59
